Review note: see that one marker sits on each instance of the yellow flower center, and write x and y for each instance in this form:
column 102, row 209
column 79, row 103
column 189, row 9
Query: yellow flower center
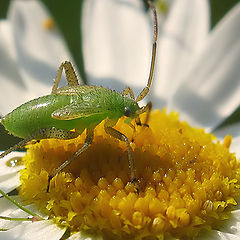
column 187, row 180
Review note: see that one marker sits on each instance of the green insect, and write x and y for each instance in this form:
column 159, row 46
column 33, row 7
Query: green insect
column 77, row 107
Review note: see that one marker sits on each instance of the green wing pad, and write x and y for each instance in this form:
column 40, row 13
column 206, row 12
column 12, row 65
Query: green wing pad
column 78, row 110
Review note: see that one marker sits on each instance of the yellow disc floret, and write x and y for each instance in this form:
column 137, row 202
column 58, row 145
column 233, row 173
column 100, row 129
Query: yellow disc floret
column 187, row 180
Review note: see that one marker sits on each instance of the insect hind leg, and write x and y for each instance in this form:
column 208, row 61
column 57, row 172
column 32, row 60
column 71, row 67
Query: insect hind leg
column 17, row 146
column 86, row 145
column 71, row 76
column 53, row 132
column 42, row 134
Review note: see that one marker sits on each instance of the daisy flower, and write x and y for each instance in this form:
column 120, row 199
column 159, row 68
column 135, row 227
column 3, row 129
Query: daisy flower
column 188, row 180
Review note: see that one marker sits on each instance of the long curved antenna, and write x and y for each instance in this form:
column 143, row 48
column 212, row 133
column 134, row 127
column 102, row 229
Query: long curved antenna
column 145, row 91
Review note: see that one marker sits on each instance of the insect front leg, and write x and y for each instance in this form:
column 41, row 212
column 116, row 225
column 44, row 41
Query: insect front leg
column 71, row 76
column 115, row 133
column 143, row 109
column 86, row 145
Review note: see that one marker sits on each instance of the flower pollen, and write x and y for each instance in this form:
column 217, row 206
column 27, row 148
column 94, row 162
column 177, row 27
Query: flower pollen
column 48, row 24
column 187, row 180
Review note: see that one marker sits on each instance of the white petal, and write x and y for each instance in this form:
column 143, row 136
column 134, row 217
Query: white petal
column 41, row 230
column 182, row 37
column 211, row 89
column 7, row 52
column 233, row 226
column 235, row 146
column 227, row 236
column 231, row 229
column 233, row 130
column 9, row 176
column 9, row 182
column 8, row 209
column 117, row 43
column 39, row 50
column 4, row 168
column 216, row 235
column 84, row 236
column 10, row 79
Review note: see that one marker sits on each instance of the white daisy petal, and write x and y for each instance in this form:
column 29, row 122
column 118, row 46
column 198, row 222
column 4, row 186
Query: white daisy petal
column 235, row 146
column 10, row 80
column 84, row 236
column 231, row 230
column 211, row 90
column 8, row 209
column 7, row 51
column 233, row 130
column 227, row 236
column 181, row 39
column 41, row 230
column 235, row 223
column 9, row 176
column 9, row 182
column 4, row 168
column 39, row 50
column 116, row 36
column 208, row 93
column 217, row 235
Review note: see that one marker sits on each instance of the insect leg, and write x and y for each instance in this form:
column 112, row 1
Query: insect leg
column 17, row 146
column 128, row 91
column 148, row 109
column 115, row 133
column 71, row 76
column 143, row 109
column 42, row 134
column 86, row 145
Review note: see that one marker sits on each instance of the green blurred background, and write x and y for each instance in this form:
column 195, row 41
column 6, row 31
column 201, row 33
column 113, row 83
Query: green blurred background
column 67, row 15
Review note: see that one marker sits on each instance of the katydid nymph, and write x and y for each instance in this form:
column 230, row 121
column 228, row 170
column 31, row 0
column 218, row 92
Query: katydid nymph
column 79, row 107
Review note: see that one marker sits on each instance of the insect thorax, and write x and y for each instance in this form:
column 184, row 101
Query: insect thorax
column 113, row 102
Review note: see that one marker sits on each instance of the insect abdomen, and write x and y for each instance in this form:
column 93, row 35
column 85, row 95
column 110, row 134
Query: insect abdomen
column 36, row 114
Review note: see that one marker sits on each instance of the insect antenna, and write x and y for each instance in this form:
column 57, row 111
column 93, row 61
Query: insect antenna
column 145, row 91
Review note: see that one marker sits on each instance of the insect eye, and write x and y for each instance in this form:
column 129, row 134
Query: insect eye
column 127, row 112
